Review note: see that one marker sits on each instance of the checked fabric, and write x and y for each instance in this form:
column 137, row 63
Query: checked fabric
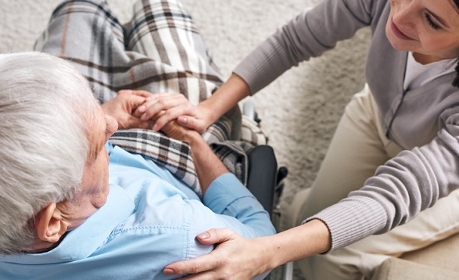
column 159, row 50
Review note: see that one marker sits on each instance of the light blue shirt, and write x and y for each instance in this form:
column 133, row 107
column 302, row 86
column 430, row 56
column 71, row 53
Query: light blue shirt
column 149, row 221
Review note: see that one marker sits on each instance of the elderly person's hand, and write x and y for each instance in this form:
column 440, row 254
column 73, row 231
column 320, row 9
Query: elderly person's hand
column 176, row 131
column 122, row 108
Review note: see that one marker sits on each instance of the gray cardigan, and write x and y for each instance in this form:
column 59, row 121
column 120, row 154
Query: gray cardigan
column 423, row 121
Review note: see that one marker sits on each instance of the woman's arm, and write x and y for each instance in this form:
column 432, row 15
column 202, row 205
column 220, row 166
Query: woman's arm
column 399, row 190
column 305, row 36
column 163, row 108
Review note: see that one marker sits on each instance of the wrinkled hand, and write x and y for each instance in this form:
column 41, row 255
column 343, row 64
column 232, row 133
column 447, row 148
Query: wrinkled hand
column 176, row 131
column 235, row 258
column 122, row 108
column 166, row 107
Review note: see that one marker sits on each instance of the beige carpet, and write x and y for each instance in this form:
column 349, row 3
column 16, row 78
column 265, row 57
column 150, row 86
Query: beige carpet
column 299, row 111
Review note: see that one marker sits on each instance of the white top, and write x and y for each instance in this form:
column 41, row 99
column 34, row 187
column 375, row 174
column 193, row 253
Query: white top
column 418, row 74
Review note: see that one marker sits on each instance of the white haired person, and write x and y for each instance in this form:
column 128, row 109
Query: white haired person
column 73, row 206
column 77, row 206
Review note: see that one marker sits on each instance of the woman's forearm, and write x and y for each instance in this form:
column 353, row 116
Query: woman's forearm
column 299, row 242
column 227, row 96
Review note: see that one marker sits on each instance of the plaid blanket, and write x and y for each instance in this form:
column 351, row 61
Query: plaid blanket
column 158, row 50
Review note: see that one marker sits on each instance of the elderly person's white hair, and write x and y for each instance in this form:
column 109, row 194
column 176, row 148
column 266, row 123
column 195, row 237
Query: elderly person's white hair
column 45, row 109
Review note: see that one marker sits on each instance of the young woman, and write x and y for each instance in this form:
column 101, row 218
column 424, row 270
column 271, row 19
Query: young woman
column 395, row 151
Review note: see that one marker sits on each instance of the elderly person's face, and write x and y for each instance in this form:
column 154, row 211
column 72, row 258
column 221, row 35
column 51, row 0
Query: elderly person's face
column 94, row 187
column 56, row 219
column 427, row 28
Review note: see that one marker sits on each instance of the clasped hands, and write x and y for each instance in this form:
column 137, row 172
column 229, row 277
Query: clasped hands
column 159, row 111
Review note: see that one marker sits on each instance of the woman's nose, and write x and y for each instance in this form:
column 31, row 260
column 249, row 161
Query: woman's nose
column 404, row 11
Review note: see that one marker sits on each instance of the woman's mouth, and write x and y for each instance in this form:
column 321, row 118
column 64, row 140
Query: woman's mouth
column 399, row 34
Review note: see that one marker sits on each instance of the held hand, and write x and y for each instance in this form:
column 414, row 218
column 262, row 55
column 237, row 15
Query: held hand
column 234, row 258
column 176, row 131
column 122, row 107
column 165, row 107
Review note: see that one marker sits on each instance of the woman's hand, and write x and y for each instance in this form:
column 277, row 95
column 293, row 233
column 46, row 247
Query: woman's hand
column 235, row 258
column 238, row 258
column 122, row 108
column 165, row 107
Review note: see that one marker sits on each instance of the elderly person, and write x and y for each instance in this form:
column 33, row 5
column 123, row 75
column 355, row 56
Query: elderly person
column 76, row 207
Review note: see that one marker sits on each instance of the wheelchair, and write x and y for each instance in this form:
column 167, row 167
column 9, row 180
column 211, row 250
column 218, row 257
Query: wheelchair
column 266, row 182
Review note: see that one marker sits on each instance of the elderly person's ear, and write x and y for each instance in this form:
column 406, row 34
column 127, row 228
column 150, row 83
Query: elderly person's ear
column 49, row 224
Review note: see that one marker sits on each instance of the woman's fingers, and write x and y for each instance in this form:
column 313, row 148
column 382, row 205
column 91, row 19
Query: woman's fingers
column 162, row 108
column 173, row 113
column 161, row 102
column 206, row 263
column 190, row 122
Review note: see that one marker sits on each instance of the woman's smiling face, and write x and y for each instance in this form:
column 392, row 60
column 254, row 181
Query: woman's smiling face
column 425, row 27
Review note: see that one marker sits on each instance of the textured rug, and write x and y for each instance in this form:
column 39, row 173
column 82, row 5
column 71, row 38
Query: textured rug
column 299, row 110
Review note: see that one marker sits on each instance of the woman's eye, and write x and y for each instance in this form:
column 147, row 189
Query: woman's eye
column 431, row 23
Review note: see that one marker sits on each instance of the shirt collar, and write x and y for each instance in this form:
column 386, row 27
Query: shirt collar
column 85, row 239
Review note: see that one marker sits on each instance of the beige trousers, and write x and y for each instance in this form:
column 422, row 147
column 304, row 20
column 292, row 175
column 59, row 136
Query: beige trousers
column 358, row 147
